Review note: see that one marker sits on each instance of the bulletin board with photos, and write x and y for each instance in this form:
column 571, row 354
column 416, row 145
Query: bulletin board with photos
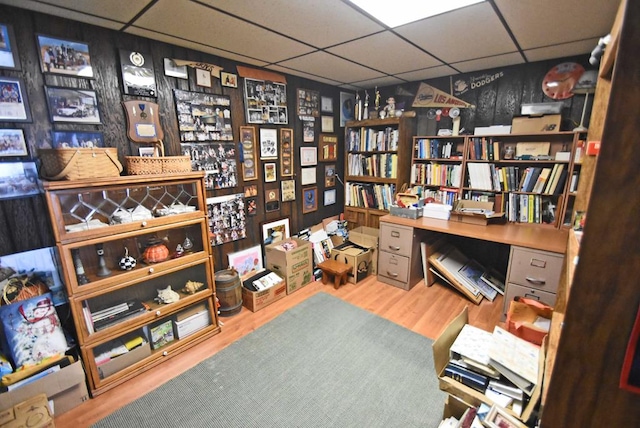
column 203, row 117
column 265, row 101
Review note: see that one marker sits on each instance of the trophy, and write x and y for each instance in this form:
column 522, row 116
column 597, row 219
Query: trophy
column 80, row 275
column 102, row 265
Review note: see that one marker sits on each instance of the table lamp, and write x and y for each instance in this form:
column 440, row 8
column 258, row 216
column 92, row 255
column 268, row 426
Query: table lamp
column 586, row 85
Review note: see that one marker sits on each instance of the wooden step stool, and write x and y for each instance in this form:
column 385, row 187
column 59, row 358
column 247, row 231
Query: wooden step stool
column 336, row 269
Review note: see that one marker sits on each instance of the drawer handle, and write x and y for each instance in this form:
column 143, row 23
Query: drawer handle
column 394, row 248
column 165, row 353
column 158, row 313
column 151, row 270
column 143, row 224
column 395, row 234
column 535, row 280
column 392, row 274
column 538, row 263
column 532, row 296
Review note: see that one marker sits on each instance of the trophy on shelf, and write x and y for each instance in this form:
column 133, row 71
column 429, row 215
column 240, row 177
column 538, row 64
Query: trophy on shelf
column 77, row 261
column 102, row 265
column 365, row 111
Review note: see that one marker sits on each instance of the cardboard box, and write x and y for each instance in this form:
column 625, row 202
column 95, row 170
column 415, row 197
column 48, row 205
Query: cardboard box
column 356, row 256
column 473, row 218
column 256, row 300
column 32, row 413
column 412, row 213
column 367, row 237
column 125, row 360
column 295, row 266
column 190, row 325
column 536, row 124
column 66, row 387
column 441, row 348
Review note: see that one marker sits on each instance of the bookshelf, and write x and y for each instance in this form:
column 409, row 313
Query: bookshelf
column 122, row 240
column 377, row 165
column 527, row 176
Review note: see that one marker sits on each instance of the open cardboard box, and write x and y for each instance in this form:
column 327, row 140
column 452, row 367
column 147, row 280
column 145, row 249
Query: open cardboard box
column 367, row 237
column 256, row 300
column 469, row 395
column 473, row 218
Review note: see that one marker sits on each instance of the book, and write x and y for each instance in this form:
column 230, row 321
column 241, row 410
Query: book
column 135, row 307
column 161, row 334
column 541, row 181
column 467, row 377
column 517, row 359
column 494, row 279
column 503, row 388
column 471, row 272
column 472, row 343
column 448, row 260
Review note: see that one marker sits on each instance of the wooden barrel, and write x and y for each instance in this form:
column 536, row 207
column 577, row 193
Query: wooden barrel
column 229, row 292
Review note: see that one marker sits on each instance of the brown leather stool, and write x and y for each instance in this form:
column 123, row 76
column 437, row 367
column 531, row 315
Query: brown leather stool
column 336, row 269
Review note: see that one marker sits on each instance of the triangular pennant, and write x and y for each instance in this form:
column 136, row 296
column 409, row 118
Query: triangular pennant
column 211, row 68
column 428, row 96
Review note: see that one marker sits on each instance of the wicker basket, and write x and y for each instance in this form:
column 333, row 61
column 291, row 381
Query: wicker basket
column 144, row 165
column 79, row 163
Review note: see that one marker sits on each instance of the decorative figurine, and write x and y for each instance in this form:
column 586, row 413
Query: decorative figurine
column 127, row 262
column 191, row 287
column 102, row 265
column 167, row 295
column 77, row 261
column 358, row 107
column 365, row 112
column 179, row 251
column 377, row 99
column 187, row 244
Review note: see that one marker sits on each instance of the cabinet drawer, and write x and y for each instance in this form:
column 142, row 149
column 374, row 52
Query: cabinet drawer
column 396, row 239
column 514, row 290
column 535, row 269
column 393, row 266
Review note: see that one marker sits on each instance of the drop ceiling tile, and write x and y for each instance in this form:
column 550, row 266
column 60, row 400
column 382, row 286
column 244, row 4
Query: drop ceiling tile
column 583, row 47
column 488, row 63
column 428, row 73
column 201, row 24
column 195, row 46
column 382, row 81
column 463, row 34
column 538, row 23
column 331, row 67
column 108, row 22
column 286, row 70
column 320, row 24
column 118, row 10
column 385, row 52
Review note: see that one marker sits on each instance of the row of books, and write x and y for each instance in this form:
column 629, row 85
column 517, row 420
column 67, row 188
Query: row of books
column 443, row 195
column 500, row 365
column 484, row 148
column 432, row 148
column 379, row 165
column 464, row 274
column 436, row 174
column 541, row 180
column 521, row 208
column 365, row 195
column 104, row 318
column 369, row 139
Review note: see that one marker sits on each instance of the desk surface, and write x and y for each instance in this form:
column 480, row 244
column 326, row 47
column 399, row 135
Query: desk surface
column 538, row 238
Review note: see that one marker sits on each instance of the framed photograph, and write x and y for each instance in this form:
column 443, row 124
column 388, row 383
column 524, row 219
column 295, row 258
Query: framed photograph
column 147, row 152
column 249, row 164
column 226, row 217
column 268, row 143
column 218, row 160
column 328, row 147
column 286, row 152
column 308, row 156
column 63, row 56
column 329, row 175
column 308, row 129
column 309, row 199
column 274, row 231
column 288, row 190
column 203, row 117
column 499, row 418
column 138, row 75
column 14, row 105
column 64, row 139
column 228, row 79
column 203, row 78
column 270, row 174
column 265, row 101
column 347, row 106
column 326, row 124
column 174, row 70
column 252, row 205
column 12, row 143
column 71, row 105
column 326, row 104
column 9, row 58
column 23, row 177
column 272, row 200
column 308, row 103
column 247, row 261
column 330, row 196
column 251, row 190
column 308, row 176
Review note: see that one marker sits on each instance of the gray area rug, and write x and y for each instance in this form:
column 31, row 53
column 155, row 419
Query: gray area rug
column 322, row 363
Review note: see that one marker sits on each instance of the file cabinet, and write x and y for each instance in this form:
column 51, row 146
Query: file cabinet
column 399, row 262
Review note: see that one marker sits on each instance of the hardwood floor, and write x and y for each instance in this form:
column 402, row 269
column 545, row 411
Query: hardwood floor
column 424, row 310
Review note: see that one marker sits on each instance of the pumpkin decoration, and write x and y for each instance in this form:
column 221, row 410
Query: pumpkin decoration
column 155, row 252
column 127, row 262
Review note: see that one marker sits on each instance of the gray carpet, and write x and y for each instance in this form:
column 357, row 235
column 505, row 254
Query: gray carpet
column 323, row 363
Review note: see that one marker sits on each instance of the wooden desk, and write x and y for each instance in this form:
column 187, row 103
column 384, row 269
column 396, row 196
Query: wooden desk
column 534, row 253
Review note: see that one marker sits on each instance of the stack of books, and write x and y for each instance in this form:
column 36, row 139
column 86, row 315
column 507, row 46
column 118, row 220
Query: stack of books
column 99, row 320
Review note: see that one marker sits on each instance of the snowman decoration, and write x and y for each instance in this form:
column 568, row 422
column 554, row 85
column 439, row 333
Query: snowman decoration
column 127, row 262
